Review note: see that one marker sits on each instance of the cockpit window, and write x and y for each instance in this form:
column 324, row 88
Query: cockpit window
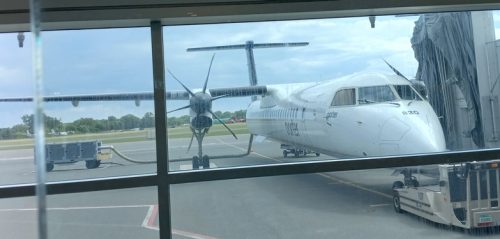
column 374, row 94
column 344, row 97
column 405, row 92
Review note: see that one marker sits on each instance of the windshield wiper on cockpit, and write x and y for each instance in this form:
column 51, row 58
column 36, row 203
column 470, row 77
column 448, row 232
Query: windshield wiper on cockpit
column 366, row 101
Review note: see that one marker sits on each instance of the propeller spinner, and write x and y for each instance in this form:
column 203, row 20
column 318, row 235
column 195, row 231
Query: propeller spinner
column 200, row 104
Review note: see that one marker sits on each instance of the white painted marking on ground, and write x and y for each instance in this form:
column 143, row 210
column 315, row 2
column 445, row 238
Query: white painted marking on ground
column 148, row 221
column 191, row 234
column 334, row 183
column 352, row 184
column 17, row 158
column 73, row 208
column 244, row 150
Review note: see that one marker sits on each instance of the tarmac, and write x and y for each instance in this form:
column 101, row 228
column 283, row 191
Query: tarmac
column 353, row 204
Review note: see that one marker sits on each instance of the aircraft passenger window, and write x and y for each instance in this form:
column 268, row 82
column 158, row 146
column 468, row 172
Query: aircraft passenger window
column 374, row 94
column 405, row 92
column 344, row 97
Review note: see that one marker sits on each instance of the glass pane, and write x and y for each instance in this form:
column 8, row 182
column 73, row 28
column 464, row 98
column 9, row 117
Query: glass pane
column 344, row 97
column 18, row 218
column 351, row 204
column 442, row 56
column 375, row 94
column 16, row 151
column 126, row 213
column 98, row 109
column 100, row 121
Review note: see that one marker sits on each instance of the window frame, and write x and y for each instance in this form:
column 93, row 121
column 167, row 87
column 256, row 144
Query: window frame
column 355, row 95
column 164, row 178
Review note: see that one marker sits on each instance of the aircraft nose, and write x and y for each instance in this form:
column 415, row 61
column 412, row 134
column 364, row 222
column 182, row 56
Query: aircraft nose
column 416, row 130
column 425, row 136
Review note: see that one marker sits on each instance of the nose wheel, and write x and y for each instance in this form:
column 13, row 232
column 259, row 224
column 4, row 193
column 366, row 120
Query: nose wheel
column 201, row 162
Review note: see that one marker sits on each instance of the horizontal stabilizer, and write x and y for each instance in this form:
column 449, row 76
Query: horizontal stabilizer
column 243, row 46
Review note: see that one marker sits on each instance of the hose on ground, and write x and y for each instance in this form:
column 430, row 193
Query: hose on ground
column 125, row 157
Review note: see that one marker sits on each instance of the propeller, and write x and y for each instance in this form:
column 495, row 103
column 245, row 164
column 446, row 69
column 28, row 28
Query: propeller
column 208, row 74
column 185, row 87
column 190, row 142
column 184, row 107
column 200, row 103
column 220, row 121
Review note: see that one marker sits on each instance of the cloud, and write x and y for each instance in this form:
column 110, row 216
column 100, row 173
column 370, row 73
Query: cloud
column 118, row 60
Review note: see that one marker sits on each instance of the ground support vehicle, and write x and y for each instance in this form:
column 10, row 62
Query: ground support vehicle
column 296, row 151
column 67, row 153
column 467, row 196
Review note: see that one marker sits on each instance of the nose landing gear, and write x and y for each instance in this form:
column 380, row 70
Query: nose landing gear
column 201, row 162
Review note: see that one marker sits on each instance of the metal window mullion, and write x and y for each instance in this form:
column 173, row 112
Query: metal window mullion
column 179, row 177
column 161, row 130
column 39, row 131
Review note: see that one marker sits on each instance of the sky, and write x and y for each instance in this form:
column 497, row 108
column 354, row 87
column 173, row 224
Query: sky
column 119, row 60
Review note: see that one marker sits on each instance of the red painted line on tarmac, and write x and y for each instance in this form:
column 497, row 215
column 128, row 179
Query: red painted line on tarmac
column 152, row 216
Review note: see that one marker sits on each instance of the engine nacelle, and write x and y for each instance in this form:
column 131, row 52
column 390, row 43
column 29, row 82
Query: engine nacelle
column 201, row 122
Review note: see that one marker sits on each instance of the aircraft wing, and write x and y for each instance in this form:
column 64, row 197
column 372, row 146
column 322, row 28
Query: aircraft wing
column 139, row 96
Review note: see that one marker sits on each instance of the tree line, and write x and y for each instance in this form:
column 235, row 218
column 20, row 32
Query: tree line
column 90, row 125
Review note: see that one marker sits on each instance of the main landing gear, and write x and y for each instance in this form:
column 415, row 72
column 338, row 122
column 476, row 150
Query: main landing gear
column 295, row 151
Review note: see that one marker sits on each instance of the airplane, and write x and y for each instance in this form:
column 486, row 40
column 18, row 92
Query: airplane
column 365, row 114
column 359, row 115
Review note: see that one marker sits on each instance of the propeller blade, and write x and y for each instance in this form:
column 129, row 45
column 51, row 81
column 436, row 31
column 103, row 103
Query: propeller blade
column 185, row 87
column 208, row 74
column 190, row 142
column 220, row 121
column 395, row 70
column 185, row 107
column 218, row 97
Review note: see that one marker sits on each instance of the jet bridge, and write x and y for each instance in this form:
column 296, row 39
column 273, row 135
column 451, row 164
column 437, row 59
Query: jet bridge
column 459, row 63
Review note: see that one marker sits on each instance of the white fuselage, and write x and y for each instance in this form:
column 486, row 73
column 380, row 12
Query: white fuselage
column 374, row 115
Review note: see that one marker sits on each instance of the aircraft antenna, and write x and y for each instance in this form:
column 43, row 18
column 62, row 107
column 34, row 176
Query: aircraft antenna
column 249, row 46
